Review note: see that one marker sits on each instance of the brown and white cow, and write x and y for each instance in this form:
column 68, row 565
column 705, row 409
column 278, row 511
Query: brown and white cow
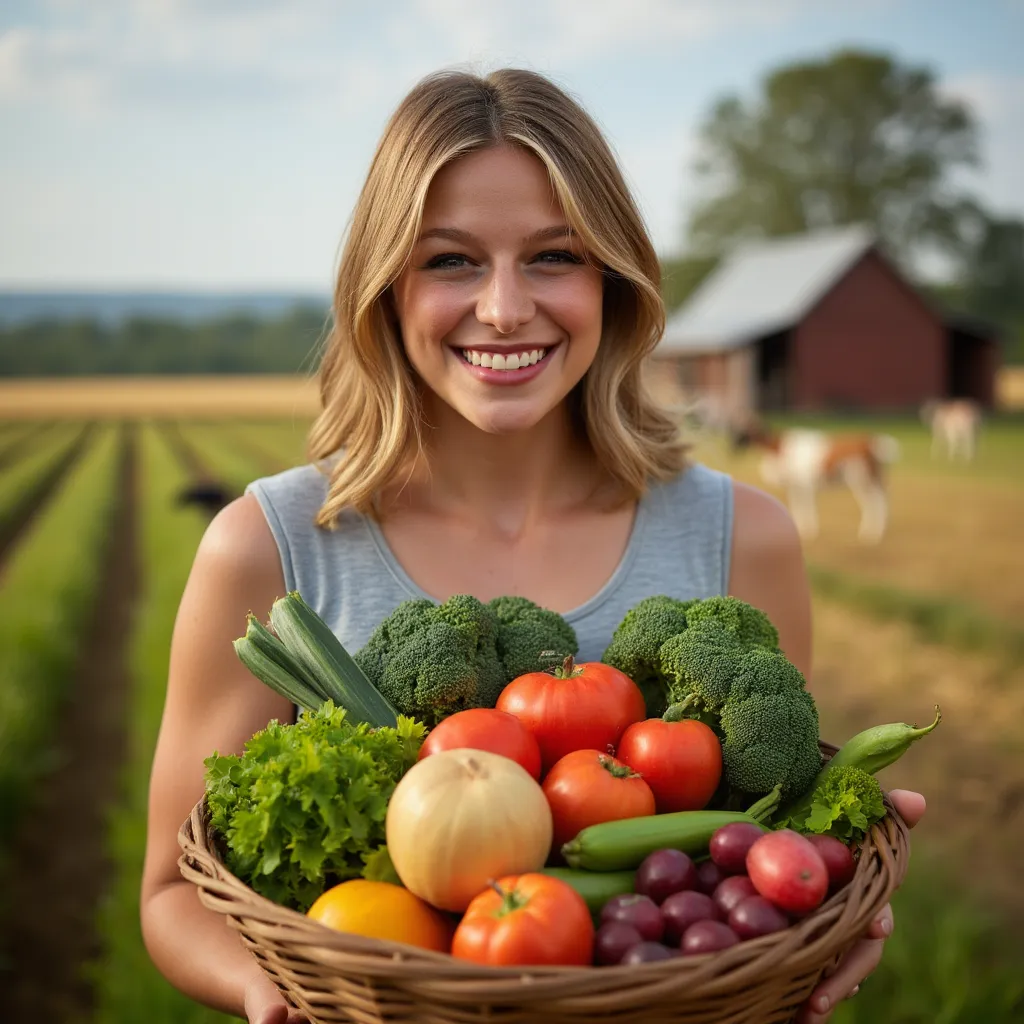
column 802, row 462
column 954, row 425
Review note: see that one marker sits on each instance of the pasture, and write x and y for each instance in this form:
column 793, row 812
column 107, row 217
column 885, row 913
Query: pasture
column 94, row 551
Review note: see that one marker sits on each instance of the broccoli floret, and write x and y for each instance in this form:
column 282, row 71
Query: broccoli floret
column 432, row 660
column 770, row 725
column 526, row 632
column 700, row 664
column 636, row 645
column 749, row 624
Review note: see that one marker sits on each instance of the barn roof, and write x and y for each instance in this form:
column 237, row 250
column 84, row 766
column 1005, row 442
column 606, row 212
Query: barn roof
column 763, row 287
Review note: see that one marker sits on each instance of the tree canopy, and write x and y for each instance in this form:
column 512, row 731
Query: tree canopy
column 853, row 138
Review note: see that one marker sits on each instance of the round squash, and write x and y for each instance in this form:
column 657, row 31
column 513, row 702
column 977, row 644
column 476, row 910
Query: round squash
column 380, row 910
column 459, row 819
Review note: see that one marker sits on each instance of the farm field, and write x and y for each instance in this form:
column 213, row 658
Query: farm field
column 93, row 568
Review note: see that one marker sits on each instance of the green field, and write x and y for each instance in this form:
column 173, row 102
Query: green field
column 932, row 614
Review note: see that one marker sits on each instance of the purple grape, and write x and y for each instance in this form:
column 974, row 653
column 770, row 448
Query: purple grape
column 637, row 910
column 731, row 890
column 682, row 909
column 707, row 937
column 646, row 953
column 664, row 872
column 613, row 940
column 709, row 875
column 756, row 916
column 730, row 843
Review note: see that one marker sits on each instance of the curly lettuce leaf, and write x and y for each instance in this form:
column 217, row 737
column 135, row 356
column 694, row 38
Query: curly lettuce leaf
column 304, row 805
column 846, row 804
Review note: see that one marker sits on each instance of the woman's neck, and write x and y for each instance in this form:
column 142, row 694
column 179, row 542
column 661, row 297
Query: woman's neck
column 508, row 481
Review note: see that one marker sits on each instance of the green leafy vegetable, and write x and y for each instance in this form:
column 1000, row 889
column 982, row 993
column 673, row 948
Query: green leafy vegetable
column 846, row 803
column 304, row 806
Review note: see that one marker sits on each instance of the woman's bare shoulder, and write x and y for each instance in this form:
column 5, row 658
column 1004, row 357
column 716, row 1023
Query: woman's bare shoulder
column 762, row 525
column 239, row 546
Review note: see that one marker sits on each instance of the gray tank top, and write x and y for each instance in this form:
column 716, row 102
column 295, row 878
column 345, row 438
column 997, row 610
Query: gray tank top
column 680, row 545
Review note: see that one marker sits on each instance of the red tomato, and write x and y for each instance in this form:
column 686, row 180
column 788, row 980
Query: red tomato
column 485, row 729
column 786, row 869
column 587, row 787
column 680, row 761
column 580, row 707
column 526, row 920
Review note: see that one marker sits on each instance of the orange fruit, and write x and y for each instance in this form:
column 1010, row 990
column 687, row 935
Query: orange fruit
column 381, row 910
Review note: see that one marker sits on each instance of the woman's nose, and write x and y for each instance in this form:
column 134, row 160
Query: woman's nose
column 505, row 302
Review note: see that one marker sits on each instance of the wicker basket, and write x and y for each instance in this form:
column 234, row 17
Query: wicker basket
column 333, row 976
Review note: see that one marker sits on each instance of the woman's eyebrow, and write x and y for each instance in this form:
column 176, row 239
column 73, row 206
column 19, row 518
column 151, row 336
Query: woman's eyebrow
column 458, row 235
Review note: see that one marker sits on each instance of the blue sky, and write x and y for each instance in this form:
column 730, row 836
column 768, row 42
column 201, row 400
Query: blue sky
column 221, row 143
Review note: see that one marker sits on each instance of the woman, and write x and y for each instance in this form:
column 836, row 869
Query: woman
column 495, row 300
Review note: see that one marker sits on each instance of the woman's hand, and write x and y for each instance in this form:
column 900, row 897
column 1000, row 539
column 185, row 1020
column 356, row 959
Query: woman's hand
column 264, row 1004
column 864, row 957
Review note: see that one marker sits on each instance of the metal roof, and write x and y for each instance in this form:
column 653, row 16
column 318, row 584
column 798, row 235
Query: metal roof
column 763, row 287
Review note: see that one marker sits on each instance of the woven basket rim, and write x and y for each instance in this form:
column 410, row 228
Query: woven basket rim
column 815, row 939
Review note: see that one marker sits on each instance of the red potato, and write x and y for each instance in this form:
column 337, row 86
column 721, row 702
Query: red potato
column 614, row 939
column 639, row 911
column 787, row 869
column 707, row 937
column 730, row 844
column 663, row 873
column 682, row 909
column 755, row 916
column 838, row 860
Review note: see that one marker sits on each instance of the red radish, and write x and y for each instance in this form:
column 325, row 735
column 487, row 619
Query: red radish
column 838, row 860
column 709, row 874
column 730, row 843
column 731, row 890
column 756, row 916
column 682, row 909
column 786, row 869
column 708, row 937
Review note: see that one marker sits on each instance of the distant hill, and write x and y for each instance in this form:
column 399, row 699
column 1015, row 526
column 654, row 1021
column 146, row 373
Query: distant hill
column 111, row 309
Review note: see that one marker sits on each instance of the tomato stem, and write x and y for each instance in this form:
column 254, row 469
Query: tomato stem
column 511, row 900
column 568, row 669
column 616, row 768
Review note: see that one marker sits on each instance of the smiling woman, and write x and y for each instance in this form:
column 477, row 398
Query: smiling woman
column 485, row 431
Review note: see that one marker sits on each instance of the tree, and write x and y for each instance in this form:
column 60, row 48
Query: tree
column 856, row 138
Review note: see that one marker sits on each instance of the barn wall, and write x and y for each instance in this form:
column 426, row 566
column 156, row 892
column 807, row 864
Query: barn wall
column 870, row 343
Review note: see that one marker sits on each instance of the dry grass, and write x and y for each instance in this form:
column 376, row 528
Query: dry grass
column 970, row 769
column 136, row 397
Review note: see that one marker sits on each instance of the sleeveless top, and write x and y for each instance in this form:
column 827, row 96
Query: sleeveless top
column 680, row 545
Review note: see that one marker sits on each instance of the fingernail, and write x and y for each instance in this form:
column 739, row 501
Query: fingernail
column 887, row 926
column 822, row 1004
column 856, row 989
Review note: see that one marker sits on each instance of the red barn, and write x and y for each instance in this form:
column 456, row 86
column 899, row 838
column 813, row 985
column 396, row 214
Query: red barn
column 821, row 322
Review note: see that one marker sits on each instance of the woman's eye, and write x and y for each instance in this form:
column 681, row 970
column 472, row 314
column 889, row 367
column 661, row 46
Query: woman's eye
column 446, row 261
column 559, row 256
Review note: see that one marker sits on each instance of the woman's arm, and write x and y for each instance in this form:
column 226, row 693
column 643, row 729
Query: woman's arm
column 213, row 703
column 767, row 570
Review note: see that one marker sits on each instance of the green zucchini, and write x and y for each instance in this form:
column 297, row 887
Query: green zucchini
column 619, row 845
column 596, row 887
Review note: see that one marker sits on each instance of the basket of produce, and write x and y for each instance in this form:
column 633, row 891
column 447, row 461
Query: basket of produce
column 453, row 832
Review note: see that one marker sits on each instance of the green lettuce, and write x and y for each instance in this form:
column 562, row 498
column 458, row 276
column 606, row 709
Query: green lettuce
column 304, row 806
column 846, row 803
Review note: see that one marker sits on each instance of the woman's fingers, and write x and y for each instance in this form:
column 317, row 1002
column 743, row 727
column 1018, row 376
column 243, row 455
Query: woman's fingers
column 852, row 970
column 881, row 926
column 910, row 805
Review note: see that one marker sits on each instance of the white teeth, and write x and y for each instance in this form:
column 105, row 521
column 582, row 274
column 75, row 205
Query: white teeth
column 503, row 361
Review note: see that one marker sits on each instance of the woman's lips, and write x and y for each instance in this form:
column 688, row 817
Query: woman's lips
column 492, row 375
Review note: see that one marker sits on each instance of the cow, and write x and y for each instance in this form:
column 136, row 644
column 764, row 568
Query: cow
column 803, row 461
column 954, row 424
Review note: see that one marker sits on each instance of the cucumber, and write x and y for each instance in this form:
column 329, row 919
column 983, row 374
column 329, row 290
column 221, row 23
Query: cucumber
column 596, row 887
column 623, row 844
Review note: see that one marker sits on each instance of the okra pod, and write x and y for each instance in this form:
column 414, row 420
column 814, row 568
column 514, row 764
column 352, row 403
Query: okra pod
column 876, row 748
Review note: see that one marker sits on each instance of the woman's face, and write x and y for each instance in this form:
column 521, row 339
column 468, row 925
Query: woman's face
column 499, row 311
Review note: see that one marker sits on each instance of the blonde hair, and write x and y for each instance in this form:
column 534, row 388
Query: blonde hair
column 369, row 391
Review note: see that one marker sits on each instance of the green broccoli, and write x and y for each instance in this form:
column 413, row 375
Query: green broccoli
column 770, row 727
column 636, row 645
column 432, row 660
column 530, row 638
column 749, row 624
column 845, row 804
column 700, row 664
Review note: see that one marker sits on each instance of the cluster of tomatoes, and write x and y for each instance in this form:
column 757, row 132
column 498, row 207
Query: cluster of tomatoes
column 753, row 884
column 561, row 729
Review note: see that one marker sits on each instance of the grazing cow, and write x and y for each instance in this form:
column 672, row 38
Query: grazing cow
column 954, row 425
column 803, row 461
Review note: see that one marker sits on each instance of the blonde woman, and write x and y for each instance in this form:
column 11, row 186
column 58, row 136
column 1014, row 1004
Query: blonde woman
column 485, row 430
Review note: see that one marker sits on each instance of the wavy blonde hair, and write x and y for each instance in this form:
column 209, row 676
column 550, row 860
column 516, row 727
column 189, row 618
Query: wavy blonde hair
column 369, row 391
